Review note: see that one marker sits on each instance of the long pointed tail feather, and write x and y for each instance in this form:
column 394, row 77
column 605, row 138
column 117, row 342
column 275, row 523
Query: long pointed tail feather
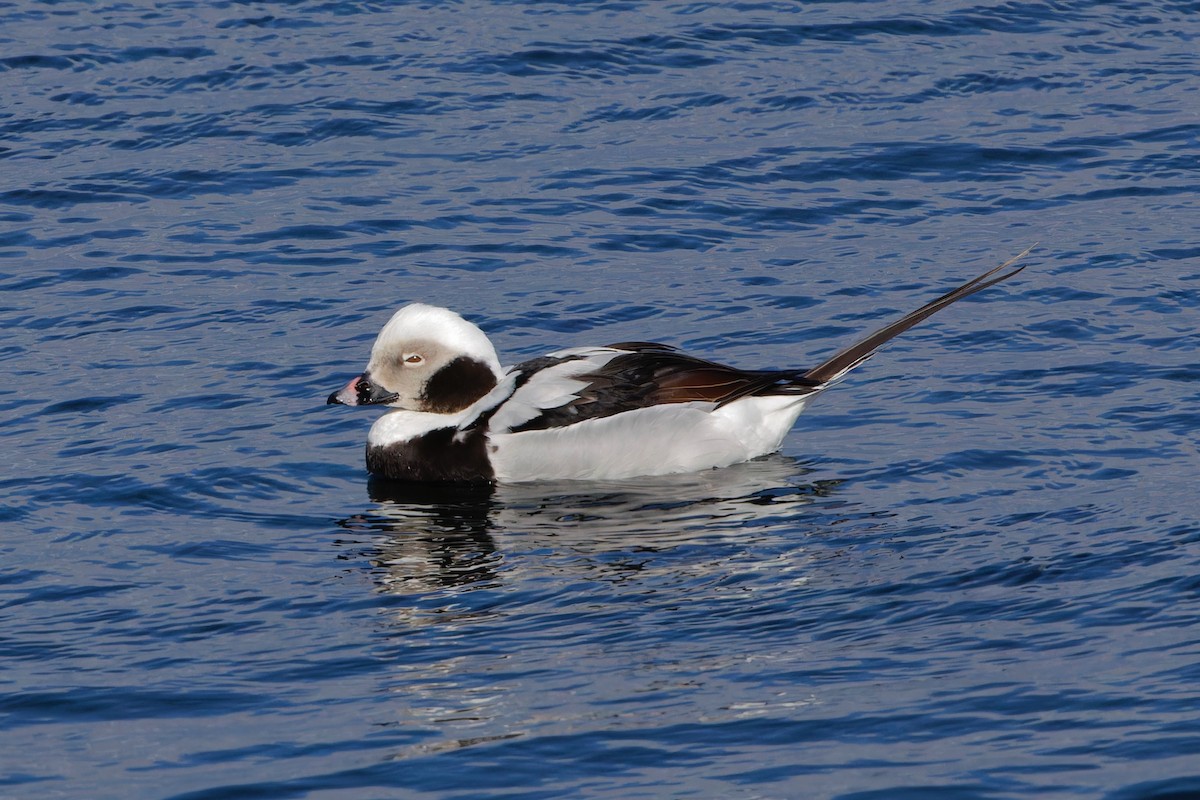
column 847, row 359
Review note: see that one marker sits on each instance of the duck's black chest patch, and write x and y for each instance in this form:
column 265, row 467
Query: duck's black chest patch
column 434, row 456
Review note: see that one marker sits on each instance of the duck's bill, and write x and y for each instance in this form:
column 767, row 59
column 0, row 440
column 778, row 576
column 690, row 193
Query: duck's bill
column 361, row 391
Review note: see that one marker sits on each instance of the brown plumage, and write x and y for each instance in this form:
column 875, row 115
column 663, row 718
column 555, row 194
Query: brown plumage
column 654, row 374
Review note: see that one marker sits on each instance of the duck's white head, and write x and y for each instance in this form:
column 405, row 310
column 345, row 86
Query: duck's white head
column 425, row 359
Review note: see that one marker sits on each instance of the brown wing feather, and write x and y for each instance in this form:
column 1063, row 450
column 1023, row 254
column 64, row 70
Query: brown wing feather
column 650, row 374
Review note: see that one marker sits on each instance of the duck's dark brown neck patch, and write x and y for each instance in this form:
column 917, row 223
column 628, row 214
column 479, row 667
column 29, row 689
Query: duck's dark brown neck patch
column 457, row 385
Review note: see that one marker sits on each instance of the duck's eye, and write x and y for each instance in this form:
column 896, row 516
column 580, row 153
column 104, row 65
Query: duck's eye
column 413, row 358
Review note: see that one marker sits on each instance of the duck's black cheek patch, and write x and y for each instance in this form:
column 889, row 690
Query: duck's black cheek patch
column 457, row 385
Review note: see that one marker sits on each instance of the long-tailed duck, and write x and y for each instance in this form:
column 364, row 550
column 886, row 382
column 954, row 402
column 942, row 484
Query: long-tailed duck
column 599, row 413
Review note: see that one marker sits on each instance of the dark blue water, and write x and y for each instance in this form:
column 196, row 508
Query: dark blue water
column 971, row 573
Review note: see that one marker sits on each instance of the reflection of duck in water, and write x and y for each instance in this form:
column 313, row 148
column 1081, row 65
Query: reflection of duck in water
column 453, row 535
column 434, row 534
column 595, row 413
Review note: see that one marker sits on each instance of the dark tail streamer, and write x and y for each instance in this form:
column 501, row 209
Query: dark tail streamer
column 849, row 358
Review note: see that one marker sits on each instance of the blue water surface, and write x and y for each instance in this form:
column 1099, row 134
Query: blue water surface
column 972, row 572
